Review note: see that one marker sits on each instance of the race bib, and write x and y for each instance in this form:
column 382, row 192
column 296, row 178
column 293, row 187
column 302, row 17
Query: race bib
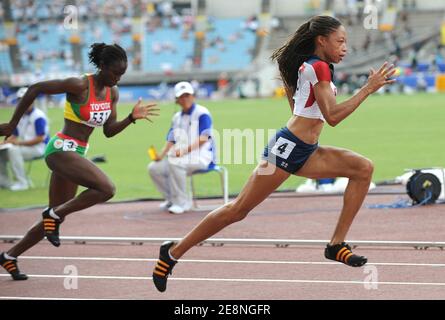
column 98, row 118
column 283, row 148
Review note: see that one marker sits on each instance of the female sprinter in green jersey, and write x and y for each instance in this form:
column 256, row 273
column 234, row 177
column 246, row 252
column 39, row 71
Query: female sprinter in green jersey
column 91, row 102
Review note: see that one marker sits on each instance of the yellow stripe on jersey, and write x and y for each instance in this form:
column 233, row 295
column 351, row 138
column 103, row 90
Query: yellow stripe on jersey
column 69, row 114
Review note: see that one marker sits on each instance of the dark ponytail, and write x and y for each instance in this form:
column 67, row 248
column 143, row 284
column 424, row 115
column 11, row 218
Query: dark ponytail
column 106, row 54
column 300, row 47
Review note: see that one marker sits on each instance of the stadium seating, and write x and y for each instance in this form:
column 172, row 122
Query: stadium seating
column 50, row 39
column 5, row 62
column 173, row 58
column 237, row 54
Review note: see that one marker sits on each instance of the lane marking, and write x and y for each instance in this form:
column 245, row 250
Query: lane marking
column 441, row 284
column 407, row 264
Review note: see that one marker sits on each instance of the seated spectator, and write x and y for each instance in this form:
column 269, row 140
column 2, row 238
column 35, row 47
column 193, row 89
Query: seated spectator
column 27, row 142
column 189, row 148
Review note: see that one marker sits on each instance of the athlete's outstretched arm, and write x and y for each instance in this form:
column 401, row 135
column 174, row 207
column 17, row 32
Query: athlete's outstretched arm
column 69, row 85
column 113, row 127
column 335, row 112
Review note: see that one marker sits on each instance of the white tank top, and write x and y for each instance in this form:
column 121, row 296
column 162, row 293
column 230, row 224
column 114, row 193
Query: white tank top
column 310, row 72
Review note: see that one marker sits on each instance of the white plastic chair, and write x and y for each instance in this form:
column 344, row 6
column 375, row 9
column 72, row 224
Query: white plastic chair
column 224, row 178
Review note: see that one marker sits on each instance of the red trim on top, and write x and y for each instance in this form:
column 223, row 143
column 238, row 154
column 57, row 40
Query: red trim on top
column 64, row 136
column 322, row 71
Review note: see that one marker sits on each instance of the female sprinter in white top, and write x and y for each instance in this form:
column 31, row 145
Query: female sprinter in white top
column 305, row 64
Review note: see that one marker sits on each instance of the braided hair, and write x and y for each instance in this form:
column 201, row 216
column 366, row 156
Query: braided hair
column 106, row 54
column 300, row 47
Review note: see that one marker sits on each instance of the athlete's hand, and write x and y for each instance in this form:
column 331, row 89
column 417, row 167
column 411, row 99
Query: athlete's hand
column 378, row 79
column 144, row 111
column 6, row 129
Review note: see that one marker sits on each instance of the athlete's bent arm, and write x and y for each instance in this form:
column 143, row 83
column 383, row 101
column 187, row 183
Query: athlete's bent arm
column 69, row 85
column 335, row 112
column 113, row 127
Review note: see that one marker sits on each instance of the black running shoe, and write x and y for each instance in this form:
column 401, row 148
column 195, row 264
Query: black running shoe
column 11, row 266
column 51, row 228
column 342, row 253
column 164, row 267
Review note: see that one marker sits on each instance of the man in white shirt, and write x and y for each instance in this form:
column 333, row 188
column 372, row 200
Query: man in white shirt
column 189, row 147
column 27, row 142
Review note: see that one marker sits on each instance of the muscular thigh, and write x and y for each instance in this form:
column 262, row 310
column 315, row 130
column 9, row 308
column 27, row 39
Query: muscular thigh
column 77, row 170
column 331, row 162
column 265, row 179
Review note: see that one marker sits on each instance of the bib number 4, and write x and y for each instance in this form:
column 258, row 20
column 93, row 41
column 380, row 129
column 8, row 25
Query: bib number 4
column 283, row 148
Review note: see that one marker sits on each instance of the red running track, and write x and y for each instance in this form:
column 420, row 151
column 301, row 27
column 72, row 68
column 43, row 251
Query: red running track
column 123, row 271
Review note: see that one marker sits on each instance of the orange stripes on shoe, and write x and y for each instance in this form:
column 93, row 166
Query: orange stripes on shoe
column 161, row 268
column 165, row 264
column 9, row 266
column 346, row 258
column 339, row 253
column 344, row 254
column 159, row 273
column 49, row 225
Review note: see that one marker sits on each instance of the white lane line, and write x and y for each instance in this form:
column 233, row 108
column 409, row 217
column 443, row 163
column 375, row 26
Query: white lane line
column 237, row 280
column 408, row 264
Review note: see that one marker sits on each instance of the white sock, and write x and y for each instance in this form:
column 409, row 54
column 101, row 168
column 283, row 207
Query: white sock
column 53, row 214
column 171, row 257
column 7, row 256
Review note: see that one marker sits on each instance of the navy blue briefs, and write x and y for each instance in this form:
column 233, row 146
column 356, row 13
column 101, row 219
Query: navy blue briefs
column 288, row 152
